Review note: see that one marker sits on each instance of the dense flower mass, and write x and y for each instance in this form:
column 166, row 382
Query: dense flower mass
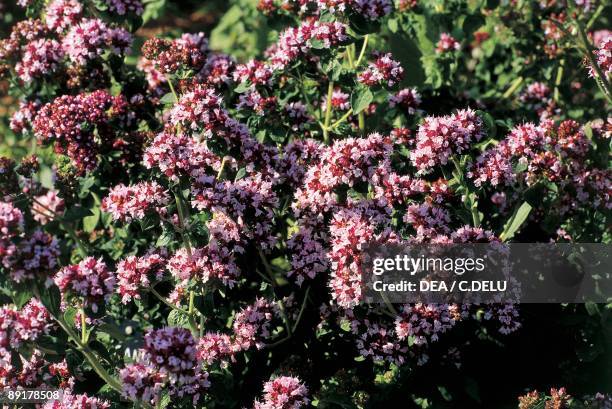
column 61, row 14
column 136, row 273
column 284, row 392
column 59, row 122
column 127, row 203
column 168, row 359
column 40, row 58
column 447, row 43
column 439, row 138
column 89, row 281
column 384, row 71
column 90, row 37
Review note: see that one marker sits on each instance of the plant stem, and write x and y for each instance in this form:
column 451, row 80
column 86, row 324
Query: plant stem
column 342, row 119
column 90, row 356
column 513, row 87
column 302, row 308
column 361, row 119
column 330, row 93
column 364, row 46
column 221, row 168
column 558, row 79
column 83, row 326
column 172, row 88
column 168, row 303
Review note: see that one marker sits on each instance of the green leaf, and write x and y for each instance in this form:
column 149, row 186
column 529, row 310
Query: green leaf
column 516, row 221
column 242, row 87
column 164, row 239
column 21, row 294
column 90, row 222
column 178, row 319
column 361, row 98
column 489, row 122
column 51, row 299
column 168, row 99
column 240, row 174
column 70, row 315
column 76, row 213
column 164, row 401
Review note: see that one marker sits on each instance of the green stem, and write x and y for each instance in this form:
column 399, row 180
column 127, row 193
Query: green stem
column 83, row 326
column 558, row 79
column 302, row 308
column 364, row 46
column 513, row 87
column 176, row 98
column 168, row 303
column 342, row 119
column 361, row 119
column 90, row 356
column 330, row 93
column 221, row 168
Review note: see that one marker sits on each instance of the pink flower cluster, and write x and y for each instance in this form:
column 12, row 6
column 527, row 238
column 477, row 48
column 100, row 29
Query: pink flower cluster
column 294, row 43
column 136, row 273
column 372, row 10
column 61, row 14
column 89, row 280
column 128, row 203
column 425, row 322
column 447, row 43
column 89, row 38
column 22, row 119
column 122, row 7
column 439, row 138
column 375, row 339
column 215, row 346
column 29, row 257
column 604, row 58
column 284, row 392
column 537, row 98
column 204, row 264
column 339, row 101
column 11, row 220
column 60, row 122
column 167, row 360
column 346, row 162
column 179, row 154
column 384, row 70
column 407, row 100
column 35, row 256
column 252, row 324
column 172, row 56
column 349, row 229
column 40, row 58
